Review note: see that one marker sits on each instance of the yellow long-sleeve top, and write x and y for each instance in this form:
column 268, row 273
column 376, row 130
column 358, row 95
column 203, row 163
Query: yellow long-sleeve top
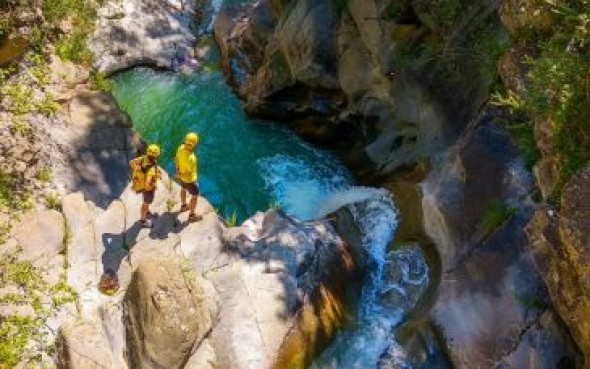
column 186, row 164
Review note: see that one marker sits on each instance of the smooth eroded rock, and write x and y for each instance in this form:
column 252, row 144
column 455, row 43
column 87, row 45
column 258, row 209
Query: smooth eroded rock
column 170, row 311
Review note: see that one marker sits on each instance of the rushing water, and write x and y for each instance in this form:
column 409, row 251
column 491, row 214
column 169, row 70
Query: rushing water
column 247, row 165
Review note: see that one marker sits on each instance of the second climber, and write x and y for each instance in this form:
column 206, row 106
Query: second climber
column 186, row 172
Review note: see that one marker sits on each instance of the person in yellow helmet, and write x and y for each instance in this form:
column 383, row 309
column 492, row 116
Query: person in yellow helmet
column 186, row 172
column 146, row 169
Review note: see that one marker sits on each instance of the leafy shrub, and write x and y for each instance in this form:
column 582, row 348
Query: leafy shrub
column 52, row 201
column 74, row 48
column 524, row 136
column 56, row 10
column 12, row 196
column 100, row 82
column 44, row 175
column 559, row 88
column 24, row 338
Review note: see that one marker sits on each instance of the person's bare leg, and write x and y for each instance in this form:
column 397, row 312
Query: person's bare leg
column 182, row 197
column 145, row 207
column 193, row 205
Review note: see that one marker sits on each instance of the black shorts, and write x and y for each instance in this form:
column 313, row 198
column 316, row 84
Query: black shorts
column 148, row 196
column 191, row 187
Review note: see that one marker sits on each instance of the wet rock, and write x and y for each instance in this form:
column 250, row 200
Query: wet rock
column 415, row 344
column 492, row 301
column 559, row 241
column 545, row 345
column 405, row 279
column 336, row 76
column 170, row 311
column 242, row 35
column 484, row 169
column 490, row 294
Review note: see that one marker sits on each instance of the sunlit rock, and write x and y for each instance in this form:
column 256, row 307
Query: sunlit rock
column 559, row 241
column 170, row 310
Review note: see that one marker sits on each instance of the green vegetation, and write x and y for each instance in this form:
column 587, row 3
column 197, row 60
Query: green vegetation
column 443, row 13
column 447, row 11
column 77, row 16
column 524, row 136
column 519, row 127
column 12, row 198
column 488, row 44
column 20, row 126
column 81, row 14
column 532, row 302
column 558, row 88
column 44, row 175
column 170, row 204
column 74, row 48
column 466, row 64
column 100, row 82
column 495, row 215
column 232, row 220
column 24, row 337
column 4, row 229
column 52, row 201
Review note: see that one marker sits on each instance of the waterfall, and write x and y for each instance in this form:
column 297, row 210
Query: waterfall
column 246, row 166
column 392, row 286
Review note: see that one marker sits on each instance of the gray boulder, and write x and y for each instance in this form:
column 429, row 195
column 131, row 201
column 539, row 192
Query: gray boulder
column 365, row 78
column 140, row 32
column 492, row 305
column 285, row 291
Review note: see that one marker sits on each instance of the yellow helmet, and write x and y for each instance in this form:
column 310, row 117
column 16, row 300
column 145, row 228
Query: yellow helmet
column 191, row 138
column 153, row 150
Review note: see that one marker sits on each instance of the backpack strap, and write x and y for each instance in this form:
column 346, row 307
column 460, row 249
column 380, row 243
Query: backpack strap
column 146, row 168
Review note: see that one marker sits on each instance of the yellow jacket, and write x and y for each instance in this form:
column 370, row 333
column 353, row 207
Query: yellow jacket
column 186, row 165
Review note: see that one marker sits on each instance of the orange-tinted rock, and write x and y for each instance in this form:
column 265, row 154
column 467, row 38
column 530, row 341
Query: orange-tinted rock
column 560, row 241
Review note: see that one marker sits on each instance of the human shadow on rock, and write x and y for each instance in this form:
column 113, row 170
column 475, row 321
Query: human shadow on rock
column 118, row 245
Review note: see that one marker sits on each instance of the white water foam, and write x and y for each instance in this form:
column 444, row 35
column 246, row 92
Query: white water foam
column 298, row 185
column 362, row 345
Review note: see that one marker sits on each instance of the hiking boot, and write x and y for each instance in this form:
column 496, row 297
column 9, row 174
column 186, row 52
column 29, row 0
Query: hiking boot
column 194, row 218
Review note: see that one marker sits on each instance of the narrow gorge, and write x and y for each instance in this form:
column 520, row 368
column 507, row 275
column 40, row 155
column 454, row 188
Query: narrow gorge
column 384, row 184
